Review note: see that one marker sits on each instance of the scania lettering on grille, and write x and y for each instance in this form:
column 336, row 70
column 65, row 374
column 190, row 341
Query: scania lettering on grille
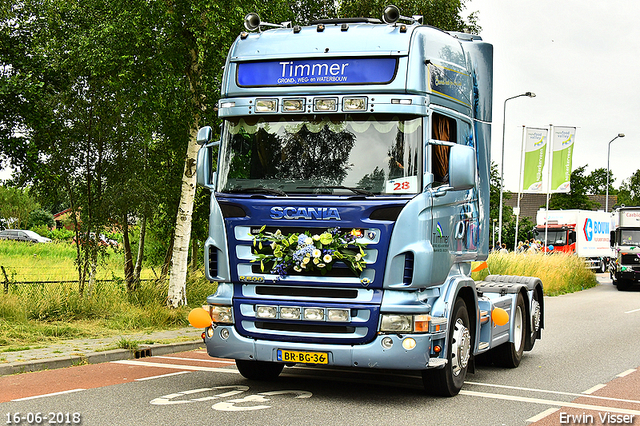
column 309, row 213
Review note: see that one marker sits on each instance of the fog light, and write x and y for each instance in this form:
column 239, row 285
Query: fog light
column 209, row 332
column 341, row 315
column 408, row 343
column 268, row 312
column 387, row 342
column 224, row 334
column 289, row 313
column 314, row 314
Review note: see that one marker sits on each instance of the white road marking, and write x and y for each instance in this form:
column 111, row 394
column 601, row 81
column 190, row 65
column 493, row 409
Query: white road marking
column 194, row 359
column 555, row 392
column 161, row 376
column 48, row 394
column 550, row 402
column 542, row 415
column 594, row 389
column 630, row 312
column 626, row 373
column 175, row 366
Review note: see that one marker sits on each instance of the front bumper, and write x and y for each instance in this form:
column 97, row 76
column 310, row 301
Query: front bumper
column 370, row 355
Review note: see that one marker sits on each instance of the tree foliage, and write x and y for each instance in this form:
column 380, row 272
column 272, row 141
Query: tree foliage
column 100, row 101
column 629, row 193
column 577, row 197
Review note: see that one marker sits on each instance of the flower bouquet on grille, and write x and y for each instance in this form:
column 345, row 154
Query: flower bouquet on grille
column 306, row 252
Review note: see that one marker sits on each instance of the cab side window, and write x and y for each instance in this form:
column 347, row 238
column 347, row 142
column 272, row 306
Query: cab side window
column 443, row 129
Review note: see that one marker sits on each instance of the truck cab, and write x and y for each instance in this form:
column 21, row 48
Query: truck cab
column 350, row 191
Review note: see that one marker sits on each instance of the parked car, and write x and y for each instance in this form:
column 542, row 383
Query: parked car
column 102, row 240
column 23, row 235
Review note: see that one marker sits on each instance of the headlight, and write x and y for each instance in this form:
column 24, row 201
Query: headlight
column 396, row 323
column 222, row 314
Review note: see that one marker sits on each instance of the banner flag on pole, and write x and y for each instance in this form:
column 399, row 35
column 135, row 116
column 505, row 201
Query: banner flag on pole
column 562, row 139
column 535, row 150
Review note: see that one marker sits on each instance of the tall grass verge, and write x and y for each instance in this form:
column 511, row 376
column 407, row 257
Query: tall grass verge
column 560, row 273
column 37, row 314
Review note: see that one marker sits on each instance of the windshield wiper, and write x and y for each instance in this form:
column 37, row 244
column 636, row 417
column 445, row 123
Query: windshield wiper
column 355, row 190
column 271, row 191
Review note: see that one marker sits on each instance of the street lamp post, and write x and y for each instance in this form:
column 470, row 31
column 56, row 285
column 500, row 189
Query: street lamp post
column 606, row 201
column 504, row 116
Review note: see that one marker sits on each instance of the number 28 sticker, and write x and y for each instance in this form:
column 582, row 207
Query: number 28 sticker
column 405, row 185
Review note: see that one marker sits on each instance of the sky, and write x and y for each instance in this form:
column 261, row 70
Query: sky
column 581, row 59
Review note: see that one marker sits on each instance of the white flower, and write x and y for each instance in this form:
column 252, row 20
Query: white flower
column 305, row 260
column 316, row 260
column 321, row 265
column 316, row 237
column 327, row 258
column 316, row 253
column 308, row 241
column 358, row 257
column 297, row 268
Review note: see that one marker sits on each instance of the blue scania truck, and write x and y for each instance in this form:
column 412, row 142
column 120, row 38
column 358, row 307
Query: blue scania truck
column 349, row 198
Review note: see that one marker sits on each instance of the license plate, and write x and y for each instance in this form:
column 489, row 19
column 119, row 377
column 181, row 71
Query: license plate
column 303, row 357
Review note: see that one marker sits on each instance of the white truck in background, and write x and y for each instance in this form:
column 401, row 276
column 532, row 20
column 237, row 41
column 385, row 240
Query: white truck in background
column 583, row 232
column 625, row 243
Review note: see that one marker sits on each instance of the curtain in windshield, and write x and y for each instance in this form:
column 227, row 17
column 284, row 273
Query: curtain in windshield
column 379, row 155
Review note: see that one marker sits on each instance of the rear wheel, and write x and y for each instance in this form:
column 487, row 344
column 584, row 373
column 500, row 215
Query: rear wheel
column 603, row 266
column 448, row 381
column 510, row 354
column 259, row 370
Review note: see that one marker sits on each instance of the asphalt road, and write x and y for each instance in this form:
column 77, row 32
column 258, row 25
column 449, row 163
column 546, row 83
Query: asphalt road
column 585, row 365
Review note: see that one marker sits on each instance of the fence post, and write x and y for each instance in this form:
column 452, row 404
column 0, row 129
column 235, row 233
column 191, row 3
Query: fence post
column 6, row 280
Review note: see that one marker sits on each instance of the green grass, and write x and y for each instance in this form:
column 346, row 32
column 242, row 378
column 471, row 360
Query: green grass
column 41, row 314
column 560, row 273
column 55, row 261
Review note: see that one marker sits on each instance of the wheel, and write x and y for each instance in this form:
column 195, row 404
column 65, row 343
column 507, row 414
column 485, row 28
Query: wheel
column 448, row 381
column 510, row 354
column 259, row 370
column 536, row 319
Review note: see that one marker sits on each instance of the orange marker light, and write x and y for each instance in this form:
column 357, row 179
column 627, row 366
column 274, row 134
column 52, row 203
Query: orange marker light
column 499, row 316
column 199, row 318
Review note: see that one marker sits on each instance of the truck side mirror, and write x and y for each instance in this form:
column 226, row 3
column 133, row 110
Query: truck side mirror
column 462, row 167
column 204, row 135
column 204, row 160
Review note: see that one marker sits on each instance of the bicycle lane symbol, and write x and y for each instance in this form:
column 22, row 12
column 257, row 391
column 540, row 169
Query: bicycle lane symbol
column 248, row 403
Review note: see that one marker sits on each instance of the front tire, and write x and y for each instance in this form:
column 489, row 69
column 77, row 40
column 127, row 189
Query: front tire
column 259, row 370
column 448, row 381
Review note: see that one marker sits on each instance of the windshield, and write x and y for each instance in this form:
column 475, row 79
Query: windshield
column 629, row 237
column 377, row 155
column 554, row 238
